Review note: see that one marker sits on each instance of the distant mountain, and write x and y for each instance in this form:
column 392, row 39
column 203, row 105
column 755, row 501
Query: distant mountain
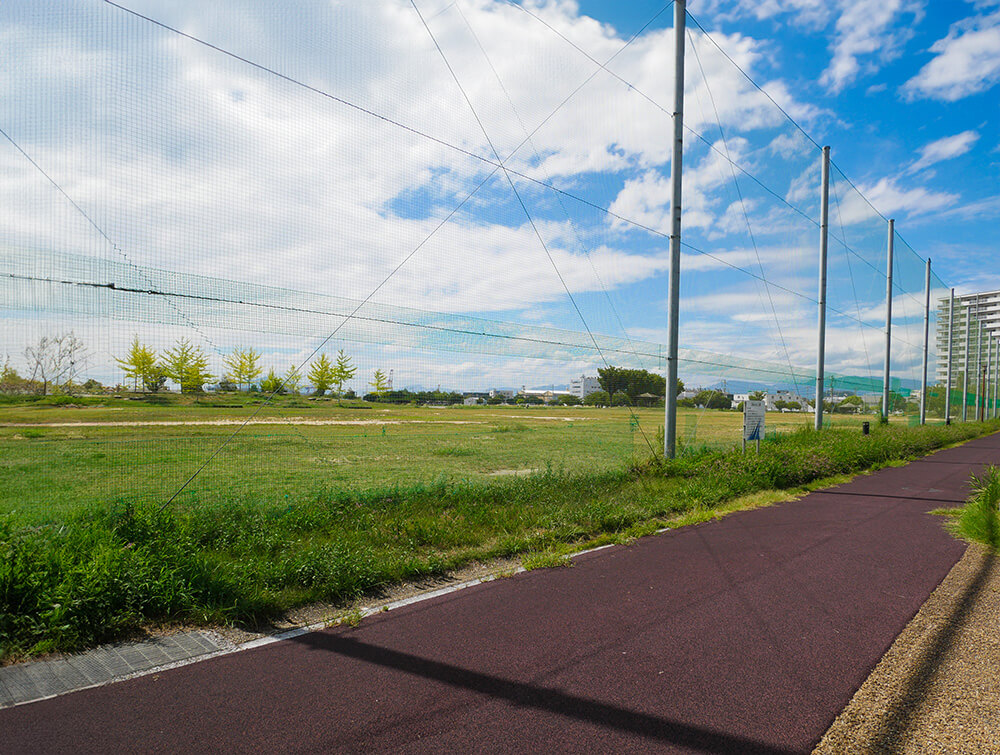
column 841, row 383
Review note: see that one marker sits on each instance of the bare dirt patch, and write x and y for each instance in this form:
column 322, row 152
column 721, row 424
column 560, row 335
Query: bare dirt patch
column 512, row 472
column 240, row 422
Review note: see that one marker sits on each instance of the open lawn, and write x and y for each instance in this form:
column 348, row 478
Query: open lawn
column 54, row 459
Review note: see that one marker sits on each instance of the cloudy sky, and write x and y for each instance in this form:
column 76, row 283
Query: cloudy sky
column 510, row 162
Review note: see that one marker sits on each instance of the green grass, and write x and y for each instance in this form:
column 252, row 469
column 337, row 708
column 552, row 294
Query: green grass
column 101, row 571
column 978, row 521
column 57, row 458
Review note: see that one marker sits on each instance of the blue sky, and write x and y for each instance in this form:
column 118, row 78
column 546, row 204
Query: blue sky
column 368, row 167
column 912, row 90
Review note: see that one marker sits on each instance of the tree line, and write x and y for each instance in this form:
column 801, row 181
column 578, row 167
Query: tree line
column 187, row 365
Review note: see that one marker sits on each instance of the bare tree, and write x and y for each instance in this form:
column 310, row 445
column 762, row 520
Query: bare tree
column 55, row 361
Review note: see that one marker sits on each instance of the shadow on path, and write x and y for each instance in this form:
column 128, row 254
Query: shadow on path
column 540, row 698
column 899, row 716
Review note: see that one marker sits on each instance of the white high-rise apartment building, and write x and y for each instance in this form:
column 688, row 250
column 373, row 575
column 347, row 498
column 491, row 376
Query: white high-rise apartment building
column 983, row 307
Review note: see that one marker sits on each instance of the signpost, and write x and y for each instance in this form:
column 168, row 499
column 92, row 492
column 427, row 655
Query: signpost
column 753, row 422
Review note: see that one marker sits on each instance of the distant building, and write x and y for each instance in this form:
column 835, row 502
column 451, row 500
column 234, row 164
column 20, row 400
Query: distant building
column 583, row 386
column 771, row 399
column 503, row 393
column 983, row 307
column 548, row 396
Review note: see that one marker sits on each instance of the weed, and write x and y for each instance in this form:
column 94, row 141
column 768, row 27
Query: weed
column 509, row 428
column 352, row 618
column 979, row 520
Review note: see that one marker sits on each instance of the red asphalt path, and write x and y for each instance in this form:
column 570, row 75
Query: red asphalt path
column 747, row 634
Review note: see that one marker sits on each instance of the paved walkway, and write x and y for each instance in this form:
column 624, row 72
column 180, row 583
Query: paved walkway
column 745, row 635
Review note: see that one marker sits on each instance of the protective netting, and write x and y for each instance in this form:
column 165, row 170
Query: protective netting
column 254, row 252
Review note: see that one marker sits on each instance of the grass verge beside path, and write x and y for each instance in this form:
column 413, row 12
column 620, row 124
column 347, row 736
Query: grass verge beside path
column 978, row 521
column 101, row 574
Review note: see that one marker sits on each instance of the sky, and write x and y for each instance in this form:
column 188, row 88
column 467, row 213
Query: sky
column 488, row 161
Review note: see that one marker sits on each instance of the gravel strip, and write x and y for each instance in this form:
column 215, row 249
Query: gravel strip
column 938, row 688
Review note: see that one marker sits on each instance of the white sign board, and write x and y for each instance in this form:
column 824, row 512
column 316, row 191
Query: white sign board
column 753, row 420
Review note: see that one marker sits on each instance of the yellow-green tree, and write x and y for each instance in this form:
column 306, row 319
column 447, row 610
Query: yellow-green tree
column 321, row 374
column 380, row 383
column 244, row 366
column 292, row 379
column 187, row 366
column 272, row 383
column 343, row 371
column 139, row 364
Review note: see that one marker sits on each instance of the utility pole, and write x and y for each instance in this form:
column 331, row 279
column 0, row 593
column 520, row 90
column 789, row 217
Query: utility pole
column 824, row 227
column 951, row 334
column 673, row 291
column 888, row 319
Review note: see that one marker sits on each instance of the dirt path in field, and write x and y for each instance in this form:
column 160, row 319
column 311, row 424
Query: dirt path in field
column 272, row 421
column 253, row 421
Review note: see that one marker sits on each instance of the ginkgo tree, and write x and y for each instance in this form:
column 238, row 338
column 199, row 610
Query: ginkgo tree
column 321, row 374
column 187, row 366
column 343, row 371
column 292, row 379
column 243, row 366
column 379, row 383
column 140, row 365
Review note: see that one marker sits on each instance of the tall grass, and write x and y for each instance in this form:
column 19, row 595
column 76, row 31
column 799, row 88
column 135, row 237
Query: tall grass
column 979, row 520
column 101, row 573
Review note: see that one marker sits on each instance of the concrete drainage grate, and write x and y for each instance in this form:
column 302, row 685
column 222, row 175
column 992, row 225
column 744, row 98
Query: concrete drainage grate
column 26, row 682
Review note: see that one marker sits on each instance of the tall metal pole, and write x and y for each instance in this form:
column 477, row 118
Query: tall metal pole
column 979, row 366
column 996, row 376
column 951, row 334
column 987, row 376
column 888, row 319
column 673, row 294
column 824, row 226
column 965, row 369
column 927, row 331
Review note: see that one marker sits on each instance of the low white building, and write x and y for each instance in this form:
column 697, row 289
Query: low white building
column 546, row 395
column 772, row 398
column 583, row 386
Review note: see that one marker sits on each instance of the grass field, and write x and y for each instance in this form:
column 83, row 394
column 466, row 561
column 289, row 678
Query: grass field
column 54, row 459
column 57, row 458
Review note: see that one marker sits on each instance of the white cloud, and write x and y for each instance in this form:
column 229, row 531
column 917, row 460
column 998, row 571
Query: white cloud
column 890, row 199
column 967, row 62
column 646, row 199
column 867, row 34
column 944, row 149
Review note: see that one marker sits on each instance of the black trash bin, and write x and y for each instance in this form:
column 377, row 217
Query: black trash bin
column 865, row 427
